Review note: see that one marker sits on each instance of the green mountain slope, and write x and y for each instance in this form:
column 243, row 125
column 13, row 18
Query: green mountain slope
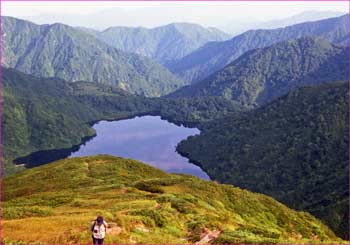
column 41, row 114
column 62, row 51
column 214, row 56
column 261, row 75
column 55, row 203
column 163, row 43
column 294, row 149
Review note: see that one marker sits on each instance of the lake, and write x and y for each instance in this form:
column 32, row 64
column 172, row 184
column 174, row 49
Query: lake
column 148, row 139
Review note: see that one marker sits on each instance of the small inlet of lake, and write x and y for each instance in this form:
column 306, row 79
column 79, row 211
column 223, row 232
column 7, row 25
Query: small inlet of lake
column 148, row 139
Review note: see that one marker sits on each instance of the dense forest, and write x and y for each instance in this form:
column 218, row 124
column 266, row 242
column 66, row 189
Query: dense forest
column 61, row 110
column 294, row 149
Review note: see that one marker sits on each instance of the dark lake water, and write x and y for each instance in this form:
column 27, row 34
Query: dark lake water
column 148, row 139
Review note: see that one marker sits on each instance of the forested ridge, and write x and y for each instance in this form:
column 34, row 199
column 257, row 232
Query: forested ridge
column 68, row 53
column 295, row 149
column 262, row 75
column 163, row 43
column 214, row 56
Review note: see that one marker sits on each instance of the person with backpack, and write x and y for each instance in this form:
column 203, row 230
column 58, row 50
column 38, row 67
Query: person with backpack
column 99, row 229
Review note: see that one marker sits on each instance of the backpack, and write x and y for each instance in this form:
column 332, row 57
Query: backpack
column 93, row 226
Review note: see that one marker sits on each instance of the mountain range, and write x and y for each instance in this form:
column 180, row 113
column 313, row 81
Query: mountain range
column 163, row 44
column 65, row 52
column 213, row 56
column 237, row 27
column 272, row 107
column 261, row 75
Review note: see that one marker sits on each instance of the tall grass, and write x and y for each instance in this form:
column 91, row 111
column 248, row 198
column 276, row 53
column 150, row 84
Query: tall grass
column 56, row 203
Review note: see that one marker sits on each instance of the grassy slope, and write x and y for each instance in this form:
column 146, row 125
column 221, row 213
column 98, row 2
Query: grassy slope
column 294, row 149
column 56, row 202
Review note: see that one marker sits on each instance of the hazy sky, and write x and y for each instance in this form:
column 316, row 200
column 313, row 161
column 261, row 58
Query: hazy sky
column 101, row 15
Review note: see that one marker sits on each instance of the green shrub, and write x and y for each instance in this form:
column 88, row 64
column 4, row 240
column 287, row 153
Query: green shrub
column 150, row 187
column 23, row 212
column 156, row 216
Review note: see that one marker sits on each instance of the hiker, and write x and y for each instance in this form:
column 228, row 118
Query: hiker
column 98, row 228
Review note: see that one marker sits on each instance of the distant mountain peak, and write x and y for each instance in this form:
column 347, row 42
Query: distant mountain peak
column 213, row 56
column 163, row 43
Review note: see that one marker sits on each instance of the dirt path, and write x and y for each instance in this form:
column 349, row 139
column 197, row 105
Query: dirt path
column 208, row 236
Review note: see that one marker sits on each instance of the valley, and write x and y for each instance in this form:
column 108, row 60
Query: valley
column 176, row 132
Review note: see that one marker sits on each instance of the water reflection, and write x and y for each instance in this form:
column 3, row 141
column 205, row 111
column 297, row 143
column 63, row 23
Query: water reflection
column 148, row 139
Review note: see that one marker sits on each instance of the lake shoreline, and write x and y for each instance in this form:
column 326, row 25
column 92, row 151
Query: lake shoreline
column 19, row 160
column 27, row 161
column 42, row 157
column 194, row 162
